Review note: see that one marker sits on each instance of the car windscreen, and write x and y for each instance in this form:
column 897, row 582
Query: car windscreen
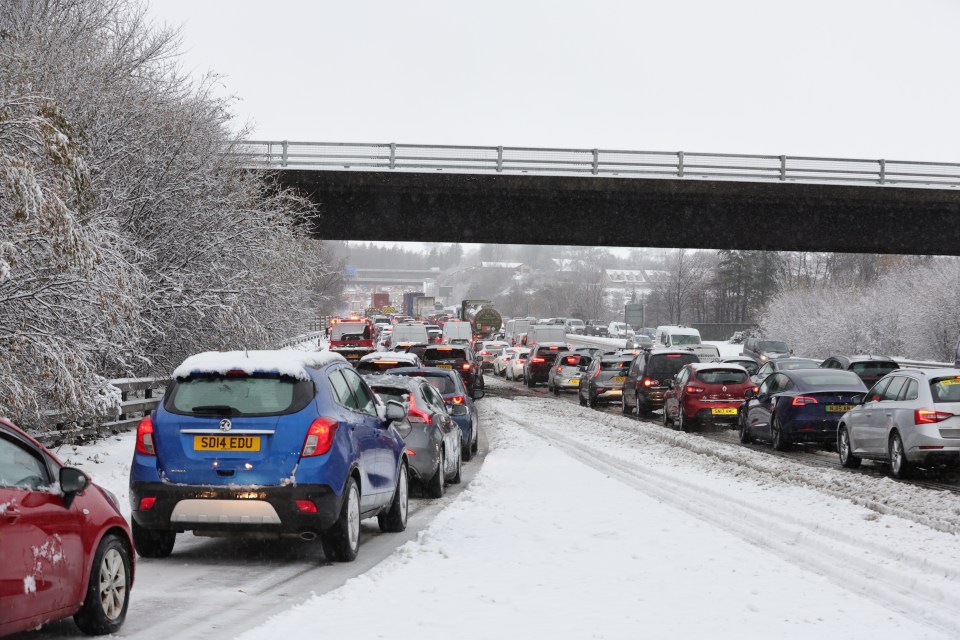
column 442, row 383
column 371, row 366
column 722, row 376
column 665, row 365
column 684, row 338
column 444, row 354
column 945, row 389
column 619, row 365
column 797, row 364
column 238, row 395
column 826, row 378
column 774, row 346
column 350, row 331
column 391, row 393
column 749, row 365
column 874, row 370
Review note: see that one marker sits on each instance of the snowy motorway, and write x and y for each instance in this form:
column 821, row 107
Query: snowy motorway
column 585, row 524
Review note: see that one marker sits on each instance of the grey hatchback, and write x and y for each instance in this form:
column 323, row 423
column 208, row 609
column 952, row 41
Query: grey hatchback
column 910, row 418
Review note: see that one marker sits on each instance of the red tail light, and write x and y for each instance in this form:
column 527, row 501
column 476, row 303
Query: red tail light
column 465, row 366
column 416, row 416
column 145, row 437
column 536, row 360
column 926, row 416
column 647, row 382
column 799, row 401
column 597, row 374
column 485, row 353
column 693, row 390
column 457, row 399
column 560, row 369
column 520, row 360
column 319, row 437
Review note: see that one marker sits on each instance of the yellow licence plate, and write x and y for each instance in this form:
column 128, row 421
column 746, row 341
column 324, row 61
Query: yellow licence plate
column 353, row 356
column 619, row 379
column 444, row 366
column 725, row 411
column 575, row 381
column 226, row 443
column 839, row 408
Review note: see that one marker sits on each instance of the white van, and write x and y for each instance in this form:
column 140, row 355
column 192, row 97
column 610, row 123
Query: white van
column 514, row 328
column 669, row 336
column 545, row 333
column 405, row 335
column 457, row 332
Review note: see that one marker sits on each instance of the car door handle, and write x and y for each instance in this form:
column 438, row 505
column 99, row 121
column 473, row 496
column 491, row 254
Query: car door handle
column 888, row 414
column 11, row 515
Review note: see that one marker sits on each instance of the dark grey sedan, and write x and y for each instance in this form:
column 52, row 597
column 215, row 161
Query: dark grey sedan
column 432, row 438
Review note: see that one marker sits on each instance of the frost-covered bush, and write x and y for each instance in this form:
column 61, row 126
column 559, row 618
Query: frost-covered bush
column 912, row 312
column 129, row 237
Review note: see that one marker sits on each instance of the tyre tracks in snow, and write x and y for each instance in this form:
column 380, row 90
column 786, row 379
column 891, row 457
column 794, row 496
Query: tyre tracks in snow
column 914, row 585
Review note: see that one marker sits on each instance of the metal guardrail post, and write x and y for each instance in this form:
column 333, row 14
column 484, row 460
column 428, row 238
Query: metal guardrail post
column 499, row 159
column 596, row 161
column 283, row 158
column 679, row 164
column 393, row 155
column 783, row 167
column 883, row 171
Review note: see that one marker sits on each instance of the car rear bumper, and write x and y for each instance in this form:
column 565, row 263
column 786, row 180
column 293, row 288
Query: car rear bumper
column 234, row 509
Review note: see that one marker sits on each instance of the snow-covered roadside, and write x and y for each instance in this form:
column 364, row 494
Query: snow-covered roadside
column 544, row 543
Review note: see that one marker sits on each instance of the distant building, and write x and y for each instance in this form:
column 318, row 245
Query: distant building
column 639, row 280
column 516, row 267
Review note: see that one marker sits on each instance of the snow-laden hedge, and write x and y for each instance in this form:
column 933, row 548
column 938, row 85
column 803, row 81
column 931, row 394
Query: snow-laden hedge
column 913, row 313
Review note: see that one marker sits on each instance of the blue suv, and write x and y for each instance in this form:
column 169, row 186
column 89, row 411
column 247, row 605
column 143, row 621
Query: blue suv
column 268, row 442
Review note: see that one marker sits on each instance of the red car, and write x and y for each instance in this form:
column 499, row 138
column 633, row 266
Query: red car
column 65, row 548
column 705, row 392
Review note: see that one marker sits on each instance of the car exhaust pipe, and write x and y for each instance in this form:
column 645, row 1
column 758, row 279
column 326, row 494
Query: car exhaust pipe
column 308, row 535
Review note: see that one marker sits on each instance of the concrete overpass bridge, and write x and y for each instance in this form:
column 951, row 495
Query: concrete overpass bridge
column 393, row 277
column 619, row 198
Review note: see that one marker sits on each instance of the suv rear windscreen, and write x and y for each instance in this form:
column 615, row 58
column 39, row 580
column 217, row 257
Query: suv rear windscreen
column 874, row 370
column 239, row 395
column 443, row 354
column 666, row 365
column 722, row 376
column 620, row 365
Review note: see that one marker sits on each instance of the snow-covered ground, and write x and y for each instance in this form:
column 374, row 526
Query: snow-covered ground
column 585, row 524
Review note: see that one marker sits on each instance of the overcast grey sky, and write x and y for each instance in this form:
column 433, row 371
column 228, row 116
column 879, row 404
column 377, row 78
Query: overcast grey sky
column 840, row 78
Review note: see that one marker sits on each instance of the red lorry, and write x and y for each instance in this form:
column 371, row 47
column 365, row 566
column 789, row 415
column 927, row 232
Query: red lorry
column 380, row 300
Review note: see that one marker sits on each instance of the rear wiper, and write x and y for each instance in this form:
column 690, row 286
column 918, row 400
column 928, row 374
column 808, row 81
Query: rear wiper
column 216, row 409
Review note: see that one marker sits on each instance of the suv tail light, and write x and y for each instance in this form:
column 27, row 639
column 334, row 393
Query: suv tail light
column 648, row 382
column 145, row 437
column 319, row 437
column 799, row 401
column 928, row 416
column 457, row 400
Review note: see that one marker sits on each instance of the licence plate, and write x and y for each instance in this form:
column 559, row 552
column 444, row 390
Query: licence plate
column 619, row 379
column 575, row 381
column 724, row 411
column 444, row 366
column 353, row 356
column 839, row 408
column 226, row 443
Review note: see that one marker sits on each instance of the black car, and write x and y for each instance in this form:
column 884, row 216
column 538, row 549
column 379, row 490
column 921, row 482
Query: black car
column 603, row 380
column 748, row 363
column 457, row 357
column 650, row 376
column 540, row 361
column 595, row 328
column 782, row 364
column 869, row 368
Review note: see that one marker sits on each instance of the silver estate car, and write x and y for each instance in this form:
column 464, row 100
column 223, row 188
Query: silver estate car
column 910, row 418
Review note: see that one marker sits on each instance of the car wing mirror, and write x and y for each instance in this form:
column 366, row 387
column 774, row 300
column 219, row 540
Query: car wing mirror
column 857, row 399
column 749, row 393
column 459, row 410
column 394, row 412
column 476, row 394
column 72, row 483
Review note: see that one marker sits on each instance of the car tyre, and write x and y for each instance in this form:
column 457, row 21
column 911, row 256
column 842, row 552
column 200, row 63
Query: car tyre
column 437, row 483
column 667, row 422
column 108, row 592
column 780, row 440
column 591, row 401
column 847, row 459
column 458, row 477
column 341, row 542
column 556, row 390
column 682, row 423
column 583, row 402
column 743, row 430
column 475, row 446
column 900, row 467
column 623, row 405
column 395, row 520
column 153, row 544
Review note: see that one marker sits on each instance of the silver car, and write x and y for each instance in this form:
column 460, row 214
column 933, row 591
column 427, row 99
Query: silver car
column 910, row 418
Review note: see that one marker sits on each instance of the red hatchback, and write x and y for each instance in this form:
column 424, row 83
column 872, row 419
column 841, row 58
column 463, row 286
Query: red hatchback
column 65, row 548
column 705, row 392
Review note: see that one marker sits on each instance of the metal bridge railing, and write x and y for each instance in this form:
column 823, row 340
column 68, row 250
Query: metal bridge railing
column 280, row 154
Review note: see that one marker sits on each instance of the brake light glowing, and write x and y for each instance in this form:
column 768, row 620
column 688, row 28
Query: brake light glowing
column 554, row 348
column 673, row 355
column 411, row 452
column 319, row 437
column 693, row 390
column 485, row 353
column 457, row 399
column 648, row 382
column 147, row 503
column 559, row 369
column 306, row 506
column 236, row 372
column 927, row 416
column 537, row 360
column 799, row 401
column 145, row 437
column 520, row 360
column 465, row 366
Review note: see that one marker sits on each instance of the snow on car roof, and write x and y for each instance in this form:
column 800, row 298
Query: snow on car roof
column 285, row 363
column 389, row 355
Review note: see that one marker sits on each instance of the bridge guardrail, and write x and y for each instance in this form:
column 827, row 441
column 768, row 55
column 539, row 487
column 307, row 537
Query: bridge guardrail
column 286, row 154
